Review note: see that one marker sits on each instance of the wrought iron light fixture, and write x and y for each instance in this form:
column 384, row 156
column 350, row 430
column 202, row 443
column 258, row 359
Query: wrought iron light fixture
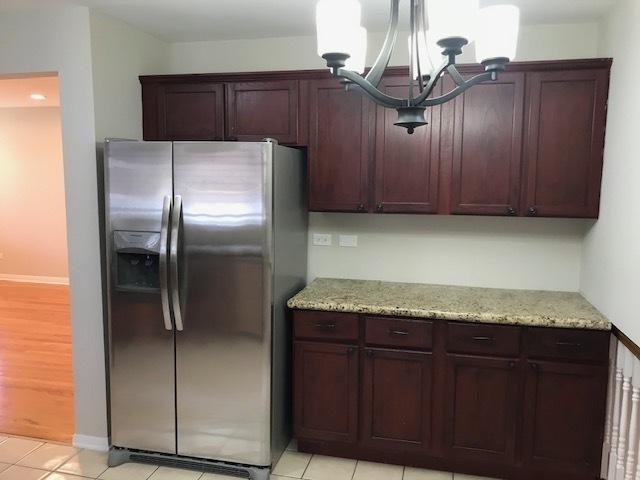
column 453, row 24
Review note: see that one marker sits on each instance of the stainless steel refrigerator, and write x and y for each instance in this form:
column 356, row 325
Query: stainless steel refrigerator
column 205, row 241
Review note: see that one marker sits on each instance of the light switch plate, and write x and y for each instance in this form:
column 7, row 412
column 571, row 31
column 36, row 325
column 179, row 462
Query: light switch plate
column 348, row 240
column 322, row 239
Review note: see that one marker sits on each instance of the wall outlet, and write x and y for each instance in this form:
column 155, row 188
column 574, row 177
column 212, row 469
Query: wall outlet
column 348, row 240
column 322, row 239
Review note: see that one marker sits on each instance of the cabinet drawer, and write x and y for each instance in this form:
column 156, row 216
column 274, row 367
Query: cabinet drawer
column 325, row 325
column 396, row 332
column 484, row 339
column 586, row 345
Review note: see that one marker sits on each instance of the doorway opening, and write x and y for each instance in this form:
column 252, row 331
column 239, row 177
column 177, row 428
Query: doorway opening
column 36, row 383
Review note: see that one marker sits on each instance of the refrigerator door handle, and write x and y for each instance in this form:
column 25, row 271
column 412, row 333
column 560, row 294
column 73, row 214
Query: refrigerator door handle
column 173, row 261
column 163, row 267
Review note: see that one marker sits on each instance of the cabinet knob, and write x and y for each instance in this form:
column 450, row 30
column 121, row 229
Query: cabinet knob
column 361, row 207
column 380, row 207
column 232, row 139
column 532, row 211
column 511, row 211
column 350, row 350
column 369, row 353
column 534, row 366
column 512, row 364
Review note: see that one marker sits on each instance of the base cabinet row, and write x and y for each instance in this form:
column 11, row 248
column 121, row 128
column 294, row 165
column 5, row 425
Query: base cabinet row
column 513, row 417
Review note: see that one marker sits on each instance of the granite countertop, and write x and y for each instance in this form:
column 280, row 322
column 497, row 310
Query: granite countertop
column 469, row 304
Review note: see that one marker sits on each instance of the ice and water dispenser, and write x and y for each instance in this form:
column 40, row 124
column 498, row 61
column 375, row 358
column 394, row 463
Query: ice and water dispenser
column 136, row 261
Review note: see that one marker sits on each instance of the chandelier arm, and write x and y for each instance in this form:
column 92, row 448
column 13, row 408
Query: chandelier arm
column 375, row 74
column 421, row 27
column 414, row 46
column 483, row 77
column 455, row 75
column 434, row 77
column 371, row 91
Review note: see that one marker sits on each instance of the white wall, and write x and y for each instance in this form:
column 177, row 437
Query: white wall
column 515, row 253
column 33, row 234
column 539, row 42
column 611, row 256
column 120, row 54
column 56, row 39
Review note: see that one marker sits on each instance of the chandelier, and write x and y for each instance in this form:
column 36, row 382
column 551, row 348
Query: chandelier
column 452, row 25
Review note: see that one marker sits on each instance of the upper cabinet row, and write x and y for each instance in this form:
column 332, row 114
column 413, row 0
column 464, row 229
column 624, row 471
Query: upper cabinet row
column 530, row 144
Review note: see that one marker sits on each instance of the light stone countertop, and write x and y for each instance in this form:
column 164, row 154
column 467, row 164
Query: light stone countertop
column 469, row 304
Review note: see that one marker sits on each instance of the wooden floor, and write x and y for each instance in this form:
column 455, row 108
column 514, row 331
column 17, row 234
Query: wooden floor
column 36, row 386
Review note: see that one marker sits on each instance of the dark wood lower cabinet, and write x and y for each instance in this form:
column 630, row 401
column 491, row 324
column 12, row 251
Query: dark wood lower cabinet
column 563, row 416
column 326, row 391
column 507, row 402
column 482, row 400
column 396, row 399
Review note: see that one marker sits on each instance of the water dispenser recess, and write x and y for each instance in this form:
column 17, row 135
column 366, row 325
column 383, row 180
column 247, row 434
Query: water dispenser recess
column 136, row 261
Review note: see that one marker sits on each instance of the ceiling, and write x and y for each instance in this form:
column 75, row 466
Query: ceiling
column 193, row 20
column 15, row 92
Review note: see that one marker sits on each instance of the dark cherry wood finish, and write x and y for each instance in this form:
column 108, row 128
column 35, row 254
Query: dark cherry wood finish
column 256, row 110
column 478, row 388
column 487, row 148
column 494, row 400
column 334, row 326
column 326, row 391
column 530, row 144
column 565, row 142
column 339, row 144
column 396, row 399
column 190, row 111
column 406, row 166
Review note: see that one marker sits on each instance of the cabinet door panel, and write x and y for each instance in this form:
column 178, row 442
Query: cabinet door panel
column 487, row 147
column 191, row 111
column 564, row 417
column 325, row 392
column 406, row 165
column 396, row 404
column 565, row 142
column 481, row 413
column 256, row 110
column 339, row 143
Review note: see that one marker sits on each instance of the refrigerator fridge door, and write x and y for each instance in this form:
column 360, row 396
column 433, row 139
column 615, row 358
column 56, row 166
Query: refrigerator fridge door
column 223, row 352
column 141, row 338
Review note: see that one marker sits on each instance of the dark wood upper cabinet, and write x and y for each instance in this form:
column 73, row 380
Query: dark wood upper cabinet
column 396, row 403
column 326, row 391
column 482, row 396
column 487, row 147
column 256, row 110
column 565, row 142
column 564, row 417
column 339, row 147
column 406, row 166
column 190, row 111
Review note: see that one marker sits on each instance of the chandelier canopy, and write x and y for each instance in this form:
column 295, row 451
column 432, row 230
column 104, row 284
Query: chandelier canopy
column 439, row 31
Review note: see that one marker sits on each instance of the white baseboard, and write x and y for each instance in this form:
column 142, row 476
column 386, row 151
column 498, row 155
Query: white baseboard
column 34, row 279
column 101, row 444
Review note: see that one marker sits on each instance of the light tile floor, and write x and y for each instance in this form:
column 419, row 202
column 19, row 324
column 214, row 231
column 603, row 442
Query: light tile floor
column 29, row 459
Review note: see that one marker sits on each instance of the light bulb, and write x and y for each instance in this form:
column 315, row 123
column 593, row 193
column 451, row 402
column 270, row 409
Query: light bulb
column 498, row 32
column 336, row 24
column 453, row 18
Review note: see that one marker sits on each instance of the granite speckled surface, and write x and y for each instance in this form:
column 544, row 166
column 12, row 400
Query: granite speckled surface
column 469, row 304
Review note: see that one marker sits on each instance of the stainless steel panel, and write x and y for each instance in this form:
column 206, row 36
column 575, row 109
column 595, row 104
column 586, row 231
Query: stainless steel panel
column 141, row 350
column 290, row 225
column 223, row 356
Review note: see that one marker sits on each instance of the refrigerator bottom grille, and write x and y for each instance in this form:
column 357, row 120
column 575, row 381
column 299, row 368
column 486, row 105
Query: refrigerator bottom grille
column 118, row 456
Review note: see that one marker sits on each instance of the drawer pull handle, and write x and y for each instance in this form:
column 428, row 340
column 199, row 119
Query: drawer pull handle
column 483, row 339
column 398, row 332
column 569, row 344
column 326, row 326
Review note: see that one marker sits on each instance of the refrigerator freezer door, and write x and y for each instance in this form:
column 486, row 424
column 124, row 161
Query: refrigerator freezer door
column 223, row 354
column 141, row 349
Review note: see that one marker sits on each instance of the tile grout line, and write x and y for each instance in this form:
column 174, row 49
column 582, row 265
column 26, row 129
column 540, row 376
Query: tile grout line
column 308, row 463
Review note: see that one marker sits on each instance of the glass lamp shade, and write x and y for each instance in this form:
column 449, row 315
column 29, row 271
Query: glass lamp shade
column 497, row 32
column 358, row 52
column 453, row 18
column 337, row 24
column 424, row 54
